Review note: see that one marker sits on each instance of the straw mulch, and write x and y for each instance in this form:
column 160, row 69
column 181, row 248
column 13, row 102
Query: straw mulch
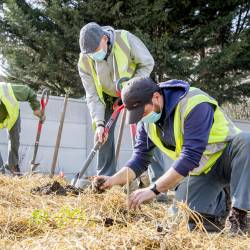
column 94, row 221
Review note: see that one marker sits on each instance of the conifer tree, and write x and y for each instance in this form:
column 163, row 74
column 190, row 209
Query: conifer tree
column 204, row 42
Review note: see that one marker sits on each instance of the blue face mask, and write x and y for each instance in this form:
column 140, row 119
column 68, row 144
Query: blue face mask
column 152, row 117
column 99, row 55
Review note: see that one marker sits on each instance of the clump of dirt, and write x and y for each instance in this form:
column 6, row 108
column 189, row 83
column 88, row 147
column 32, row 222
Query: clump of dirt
column 108, row 222
column 96, row 184
column 55, row 188
column 73, row 190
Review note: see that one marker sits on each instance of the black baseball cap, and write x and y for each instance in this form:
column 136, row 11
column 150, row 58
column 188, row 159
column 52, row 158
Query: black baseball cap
column 136, row 95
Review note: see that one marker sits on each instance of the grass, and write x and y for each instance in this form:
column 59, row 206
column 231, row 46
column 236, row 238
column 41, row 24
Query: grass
column 95, row 221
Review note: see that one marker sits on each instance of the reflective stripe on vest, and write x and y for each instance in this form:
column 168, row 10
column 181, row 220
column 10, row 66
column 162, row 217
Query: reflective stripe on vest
column 11, row 104
column 123, row 64
column 222, row 131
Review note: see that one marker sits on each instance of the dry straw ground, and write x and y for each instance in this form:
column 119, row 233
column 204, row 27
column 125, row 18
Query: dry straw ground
column 94, row 221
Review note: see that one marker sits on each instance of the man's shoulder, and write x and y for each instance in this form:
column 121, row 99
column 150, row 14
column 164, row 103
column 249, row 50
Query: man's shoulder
column 20, row 87
column 175, row 83
column 82, row 57
column 120, row 31
column 127, row 33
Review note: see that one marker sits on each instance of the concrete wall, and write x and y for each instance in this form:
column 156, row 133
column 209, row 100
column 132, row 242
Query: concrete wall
column 243, row 125
column 76, row 142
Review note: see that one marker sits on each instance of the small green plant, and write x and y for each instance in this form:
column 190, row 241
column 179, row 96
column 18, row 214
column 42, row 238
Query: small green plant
column 61, row 218
column 68, row 215
column 39, row 216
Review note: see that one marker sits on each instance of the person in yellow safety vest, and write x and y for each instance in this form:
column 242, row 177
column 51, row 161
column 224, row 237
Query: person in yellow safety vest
column 108, row 55
column 10, row 94
column 208, row 150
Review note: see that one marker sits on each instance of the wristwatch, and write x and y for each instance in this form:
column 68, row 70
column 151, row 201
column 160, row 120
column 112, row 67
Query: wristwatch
column 154, row 189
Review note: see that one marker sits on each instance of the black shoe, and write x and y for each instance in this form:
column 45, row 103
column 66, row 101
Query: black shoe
column 2, row 169
column 211, row 223
column 238, row 221
column 15, row 170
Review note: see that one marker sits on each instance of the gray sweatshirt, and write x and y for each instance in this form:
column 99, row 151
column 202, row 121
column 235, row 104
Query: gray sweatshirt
column 105, row 70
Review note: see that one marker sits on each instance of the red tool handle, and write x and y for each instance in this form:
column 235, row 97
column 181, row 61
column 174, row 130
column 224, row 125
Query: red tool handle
column 44, row 102
column 113, row 117
column 44, row 99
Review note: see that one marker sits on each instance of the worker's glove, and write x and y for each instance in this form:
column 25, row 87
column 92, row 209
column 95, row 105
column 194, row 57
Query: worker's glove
column 124, row 84
column 121, row 83
column 40, row 115
column 100, row 134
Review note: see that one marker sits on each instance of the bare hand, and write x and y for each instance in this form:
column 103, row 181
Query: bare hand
column 107, row 182
column 40, row 115
column 139, row 196
column 101, row 135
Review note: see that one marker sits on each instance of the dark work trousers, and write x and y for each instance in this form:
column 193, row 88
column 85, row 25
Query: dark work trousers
column 205, row 194
column 13, row 145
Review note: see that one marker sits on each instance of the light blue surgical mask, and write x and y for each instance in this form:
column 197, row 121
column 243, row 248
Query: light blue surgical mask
column 99, row 55
column 152, row 117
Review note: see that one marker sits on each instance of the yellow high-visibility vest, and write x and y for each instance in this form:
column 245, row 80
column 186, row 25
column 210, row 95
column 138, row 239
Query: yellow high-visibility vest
column 222, row 131
column 11, row 104
column 125, row 66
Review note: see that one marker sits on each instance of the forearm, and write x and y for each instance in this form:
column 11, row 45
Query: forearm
column 123, row 176
column 142, row 152
column 96, row 109
column 95, row 105
column 141, row 56
column 143, row 70
column 169, row 180
column 24, row 93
